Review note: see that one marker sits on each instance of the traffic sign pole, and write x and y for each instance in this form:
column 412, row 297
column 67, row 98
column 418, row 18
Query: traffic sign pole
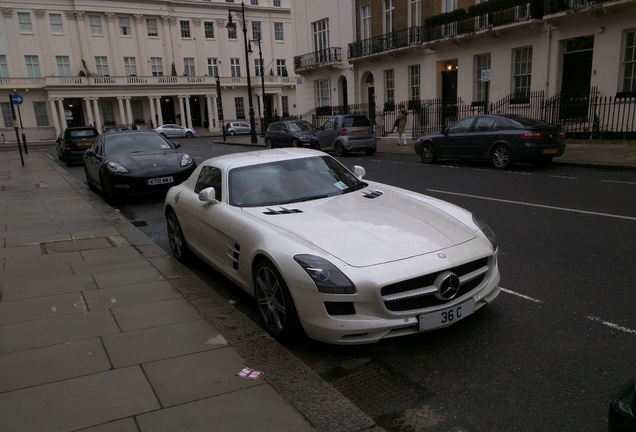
column 12, row 100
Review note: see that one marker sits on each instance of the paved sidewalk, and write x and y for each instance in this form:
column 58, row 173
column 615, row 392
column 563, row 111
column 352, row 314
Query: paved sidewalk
column 101, row 330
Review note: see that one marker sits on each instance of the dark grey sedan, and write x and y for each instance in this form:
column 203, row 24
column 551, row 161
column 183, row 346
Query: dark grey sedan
column 501, row 139
column 290, row 133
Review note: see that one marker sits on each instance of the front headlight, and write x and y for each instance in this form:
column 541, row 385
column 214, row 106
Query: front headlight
column 304, row 138
column 117, row 168
column 327, row 277
column 490, row 235
column 186, row 160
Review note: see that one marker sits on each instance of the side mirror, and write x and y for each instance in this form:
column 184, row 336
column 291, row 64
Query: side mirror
column 444, row 131
column 89, row 153
column 176, row 144
column 208, row 196
column 359, row 172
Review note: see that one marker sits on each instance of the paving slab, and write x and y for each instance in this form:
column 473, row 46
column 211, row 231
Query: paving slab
column 255, row 409
column 50, row 286
column 34, row 367
column 197, row 376
column 127, row 425
column 41, row 307
column 127, row 295
column 158, row 343
column 133, row 272
column 52, row 331
column 78, row 403
column 157, row 313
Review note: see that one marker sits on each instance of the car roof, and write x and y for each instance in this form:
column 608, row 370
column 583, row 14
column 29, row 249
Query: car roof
column 130, row 132
column 258, row 157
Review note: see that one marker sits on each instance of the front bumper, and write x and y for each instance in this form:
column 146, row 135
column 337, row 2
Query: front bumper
column 367, row 316
column 129, row 185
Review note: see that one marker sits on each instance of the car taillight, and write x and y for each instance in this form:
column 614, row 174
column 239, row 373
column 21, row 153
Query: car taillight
column 561, row 135
column 531, row 135
column 343, row 131
column 67, row 143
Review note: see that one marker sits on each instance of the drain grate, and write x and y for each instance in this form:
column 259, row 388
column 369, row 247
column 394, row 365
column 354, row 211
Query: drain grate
column 378, row 391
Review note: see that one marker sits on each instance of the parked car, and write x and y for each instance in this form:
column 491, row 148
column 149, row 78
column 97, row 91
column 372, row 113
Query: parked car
column 501, row 139
column 323, row 251
column 73, row 142
column 290, row 133
column 237, row 128
column 134, row 163
column 622, row 409
column 175, row 131
column 344, row 133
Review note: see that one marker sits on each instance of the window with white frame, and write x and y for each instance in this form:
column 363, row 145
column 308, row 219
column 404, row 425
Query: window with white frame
column 4, row 67
column 239, row 106
column 256, row 30
column 32, row 66
column 185, row 29
column 415, row 13
column 156, row 66
column 451, row 28
column 208, row 29
column 130, row 66
column 389, row 85
column 95, row 25
column 188, row 66
column 152, row 29
column 231, row 32
column 365, row 28
column 108, row 111
column 281, row 67
column 213, row 66
column 414, row 82
column 258, row 63
column 629, row 62
column 254, row 3
column 284, row 100
column 522, row 72
column 322, row 90
column 278, row 31
column 389, row 8
column 63, row 65
column 7, row 114
column 101, row 65
column 235, row 67
column 124, row 26
column 56, row 23
column 24, row 22
column 482, row 70
column 41, row 114
column 320, row 30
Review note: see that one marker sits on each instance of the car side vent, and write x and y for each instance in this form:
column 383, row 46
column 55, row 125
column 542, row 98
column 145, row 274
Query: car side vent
column 281, row 210
column 233, row 252
column 372, row 194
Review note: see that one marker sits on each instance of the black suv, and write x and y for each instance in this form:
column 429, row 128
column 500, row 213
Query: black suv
column 73, row 142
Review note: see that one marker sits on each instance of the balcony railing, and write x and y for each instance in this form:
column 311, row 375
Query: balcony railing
column 318, row 59
column 556, row 6
column 126, row 81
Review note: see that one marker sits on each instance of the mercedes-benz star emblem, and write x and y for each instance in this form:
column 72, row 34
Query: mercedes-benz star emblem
column 447, row 284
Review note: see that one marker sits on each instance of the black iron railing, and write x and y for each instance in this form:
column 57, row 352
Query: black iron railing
column 318, row 59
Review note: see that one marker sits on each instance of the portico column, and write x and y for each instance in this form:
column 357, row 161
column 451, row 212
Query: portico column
column 60, row 107
column 260, row 104
column 56, row 123
column 211, row 113
column 159, row 112
column 89, row 111
column 153, row 122
column 98, row 115
column 181, row 114
column 186, row 101
column 129, row 111
column 120, row 100
column 280, row 104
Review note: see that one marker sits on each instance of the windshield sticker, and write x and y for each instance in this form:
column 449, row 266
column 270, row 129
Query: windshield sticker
column 340, row 185
column 165, row 146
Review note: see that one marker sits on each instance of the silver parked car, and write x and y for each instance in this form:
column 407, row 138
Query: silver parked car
column 175, row 131
column 237, row 128
column 344, row 133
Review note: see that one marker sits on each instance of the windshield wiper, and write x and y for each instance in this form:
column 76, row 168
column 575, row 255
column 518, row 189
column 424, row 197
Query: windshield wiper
column 307, row 198
column 358, row 186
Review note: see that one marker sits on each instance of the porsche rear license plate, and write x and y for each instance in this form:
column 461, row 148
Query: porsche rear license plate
column 159, row 181
column 549, row 151
column 448, row 316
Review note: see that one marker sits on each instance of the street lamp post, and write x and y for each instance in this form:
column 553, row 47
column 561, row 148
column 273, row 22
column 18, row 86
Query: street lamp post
column 241, row 14
column 262, row 73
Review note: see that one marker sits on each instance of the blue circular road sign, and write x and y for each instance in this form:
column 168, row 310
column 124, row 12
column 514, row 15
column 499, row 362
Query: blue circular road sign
column 16, row 99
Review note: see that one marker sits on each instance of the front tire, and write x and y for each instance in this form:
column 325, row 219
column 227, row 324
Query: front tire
column 89, row 182
column 427, row 153
column 295, row 143
column 232, row 133
column 189, row 135
column 177, row 241
column 275, row 305
column 268, row 144
column 501, row 157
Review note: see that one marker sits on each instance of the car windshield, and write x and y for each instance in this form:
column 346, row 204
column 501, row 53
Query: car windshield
column 133, row 143
column 300, row 126
column 82, row 133
column 522, row 121
column 288, row 181
column 356, row 121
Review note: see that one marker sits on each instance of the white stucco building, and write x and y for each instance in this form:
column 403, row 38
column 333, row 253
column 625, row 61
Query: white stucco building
column 142, row 62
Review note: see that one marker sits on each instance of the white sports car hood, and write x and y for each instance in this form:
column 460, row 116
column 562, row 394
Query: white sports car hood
column 363, row 229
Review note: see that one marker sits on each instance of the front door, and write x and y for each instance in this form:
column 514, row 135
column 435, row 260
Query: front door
column 449, row 96
column 577, row 74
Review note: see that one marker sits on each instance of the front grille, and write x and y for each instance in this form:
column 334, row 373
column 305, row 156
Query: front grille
column 419, row 292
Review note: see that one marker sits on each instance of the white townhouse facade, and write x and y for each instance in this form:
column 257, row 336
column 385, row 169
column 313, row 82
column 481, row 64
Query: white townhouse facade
column 143, row 62
column 571, row 62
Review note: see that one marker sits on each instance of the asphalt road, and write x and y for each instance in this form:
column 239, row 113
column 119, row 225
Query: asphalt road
column 547, row 355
